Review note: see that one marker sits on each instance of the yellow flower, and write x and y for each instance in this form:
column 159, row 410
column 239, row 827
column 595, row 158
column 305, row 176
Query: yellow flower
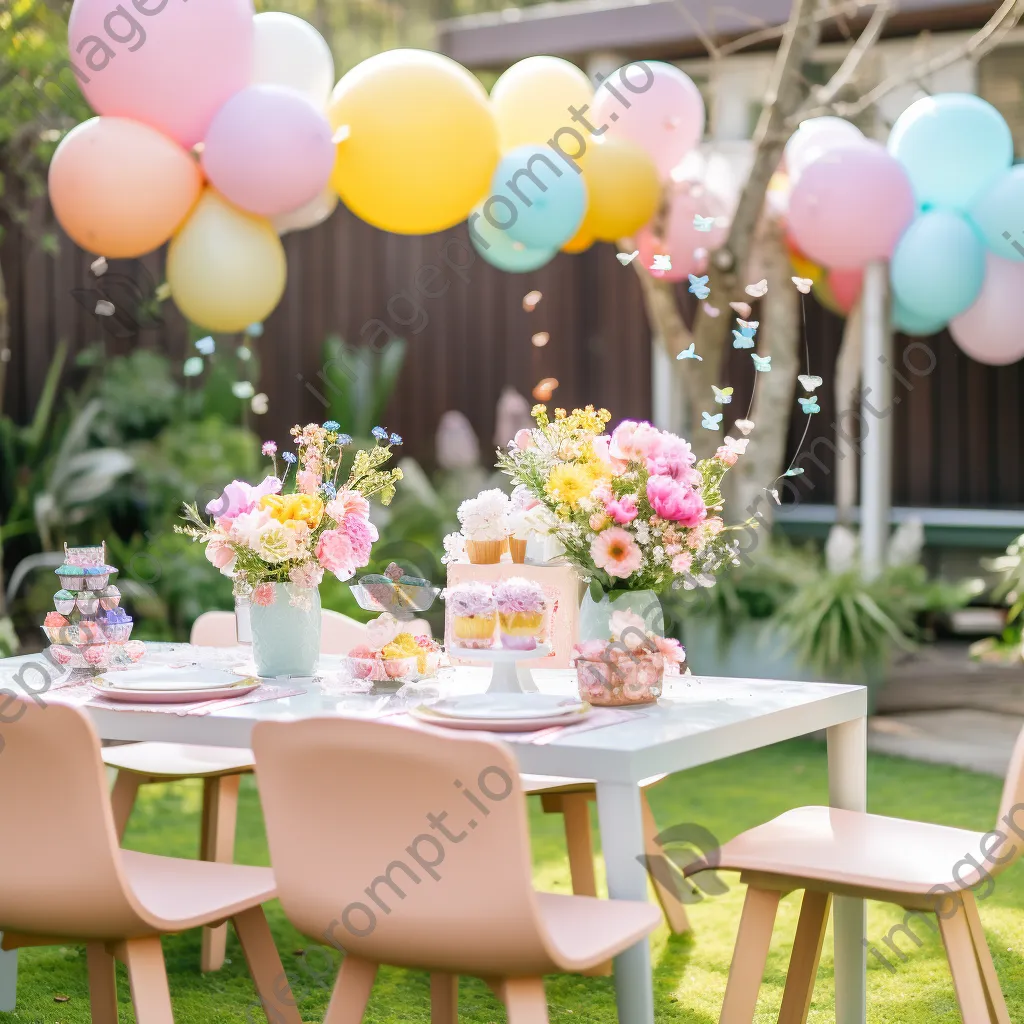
column 570, row 482
column 306, row 508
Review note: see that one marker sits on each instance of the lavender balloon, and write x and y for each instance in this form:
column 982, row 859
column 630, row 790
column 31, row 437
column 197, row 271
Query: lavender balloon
column 989, row 331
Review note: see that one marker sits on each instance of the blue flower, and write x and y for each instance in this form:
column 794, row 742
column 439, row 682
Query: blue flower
column 344, row 440
column 332, row 425
column 206, row 345
column 330, row 491
column 380, row 433
column 289, row 457
column 396, row 438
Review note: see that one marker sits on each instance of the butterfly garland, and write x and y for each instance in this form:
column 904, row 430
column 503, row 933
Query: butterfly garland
column 699, row 286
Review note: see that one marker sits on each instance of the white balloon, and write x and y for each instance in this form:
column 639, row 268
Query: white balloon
column 289, row 51
column 316, row 211
column 814, row 138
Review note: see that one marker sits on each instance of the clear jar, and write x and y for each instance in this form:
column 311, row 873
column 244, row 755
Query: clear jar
column 622, row 678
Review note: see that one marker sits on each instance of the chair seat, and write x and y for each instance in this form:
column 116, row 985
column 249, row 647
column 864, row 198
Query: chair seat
column 594, row 930
column 178, row 760
column 176, row 894
column 854, row 850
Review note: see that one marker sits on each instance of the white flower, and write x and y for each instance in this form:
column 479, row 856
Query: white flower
column 486, row 517
column 658, row 554
column 622, row 620
column 275, row 544
column 643, row 533
column 539, row 520
column 454, row 549
column 246, row 528
column 841, row 550
column 906, row 543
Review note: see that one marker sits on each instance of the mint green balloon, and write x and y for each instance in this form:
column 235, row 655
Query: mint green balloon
column 500, row 250
column 906, row 321
column 999, row 215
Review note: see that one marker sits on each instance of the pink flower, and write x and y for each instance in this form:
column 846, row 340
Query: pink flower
column 361, row 534
column 598, row 521
column 623, row 510
column 670, row 649
column 347, row 503
column 241, row 497
column 732, row 450
column 334, row 552
column 263, row 595
column 714, row 526
column 590, row 650
column 674, row 458
column 681, row 563
column 523, row 439
column 675, row 502
column 616, row 552
column 634, row 442
column 269, row 448
column 308, row 575
column 603, row 492
column 220, row 554
column 307, row 481
column 730, row 458
column 602, row 449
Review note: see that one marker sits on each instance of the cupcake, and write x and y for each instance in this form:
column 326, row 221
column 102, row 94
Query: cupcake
column 54, row 620
column 110, row 597
column 87, row 603
column 426, row 652
column 89, row 632
column 485, row 526
column 97, row 582
column 474, row 613
column 64, row 601
column 521, row 606
column 117, row 625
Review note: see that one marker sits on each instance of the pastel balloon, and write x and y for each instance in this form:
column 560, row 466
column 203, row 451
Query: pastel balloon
column 850, row 206
column 656, row 106
column 422, row 142
column 999, row 215
column 501, row 251
column 989, row 331
column 938, row 266
column 814, row 138
column 289, row 51
column 226, row 268
column 846, row 286
column 316, row 211
column 536, row 198
column 802, row 266
column 680, row 240
column 532, row 100
column 823, row 293
column 906, row 321
column 121, row 189
column 953, row 146
column 269, row 150
column 580, row 242
column 166, row 63
column 623, row 190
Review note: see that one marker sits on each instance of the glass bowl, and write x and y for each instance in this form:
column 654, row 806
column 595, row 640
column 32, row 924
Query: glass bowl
column 625, row 679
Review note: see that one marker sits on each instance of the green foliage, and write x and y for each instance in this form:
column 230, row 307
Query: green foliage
column 358, row 382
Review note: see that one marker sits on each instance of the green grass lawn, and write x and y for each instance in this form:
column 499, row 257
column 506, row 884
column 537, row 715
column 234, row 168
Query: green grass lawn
column 690, row 971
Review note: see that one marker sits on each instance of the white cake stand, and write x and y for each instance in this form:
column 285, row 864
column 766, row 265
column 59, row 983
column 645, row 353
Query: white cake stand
column 506, row 676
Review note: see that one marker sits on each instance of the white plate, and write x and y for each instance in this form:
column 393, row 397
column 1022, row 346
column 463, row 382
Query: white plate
column 425, row 713
column 167, row 680
column 139, row 696
column 507, row 706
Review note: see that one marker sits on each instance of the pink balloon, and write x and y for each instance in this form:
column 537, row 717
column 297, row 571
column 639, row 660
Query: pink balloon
column 656, row 106
column 269, row 150
column 989, row 331
column 682, row 239
column 846, row 286
column 167, row 63
column 851, row 205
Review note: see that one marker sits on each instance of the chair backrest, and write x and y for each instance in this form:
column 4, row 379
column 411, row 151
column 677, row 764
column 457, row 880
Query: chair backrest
column 1011, row 807
column 400, row 845
column 214, row 629
column 339, row 633
column 60, row 872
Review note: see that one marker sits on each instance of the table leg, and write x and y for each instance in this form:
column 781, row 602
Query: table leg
column 848, row 788
column 8, row 980
column 622, row 842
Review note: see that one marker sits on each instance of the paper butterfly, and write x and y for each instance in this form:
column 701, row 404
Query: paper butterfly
column 736, row 447
column 757, row 290
column 661, row 262
column 749, row 325
column 762, row 364
column 206, row 345
column 709, row 422
column 744, row 426
column 104, row 307
column 625, row 258
column 259, row 404
column 99, row 266
column 740, row 307
column 803, row 284
column 699, row 286
column 775, row 494
column 703, row 223
column 242, row 389
column 688, row 353
column 809, row 383
column 794, row 472
column 711, row 310
column 740, row 339
column 809, row 405
column 723, row 396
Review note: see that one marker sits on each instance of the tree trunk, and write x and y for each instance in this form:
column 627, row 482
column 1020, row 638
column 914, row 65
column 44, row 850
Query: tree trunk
column 847, row 391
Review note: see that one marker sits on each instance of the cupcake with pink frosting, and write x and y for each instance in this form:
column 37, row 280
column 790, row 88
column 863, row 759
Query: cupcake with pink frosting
column 474, row 613
column 521, row 606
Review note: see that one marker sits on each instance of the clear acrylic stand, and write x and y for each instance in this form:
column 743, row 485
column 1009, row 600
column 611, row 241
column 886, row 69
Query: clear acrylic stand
column 507, row 676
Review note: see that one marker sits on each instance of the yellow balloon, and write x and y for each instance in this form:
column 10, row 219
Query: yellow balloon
column 622, row 187
column 226, row 268
column 421, row 141
column 580, row 242
column 531, row 101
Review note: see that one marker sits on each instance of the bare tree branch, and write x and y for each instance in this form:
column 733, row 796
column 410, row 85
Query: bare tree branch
column 847, row 8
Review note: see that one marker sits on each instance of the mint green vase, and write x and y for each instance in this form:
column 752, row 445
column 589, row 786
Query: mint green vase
column 286, row 632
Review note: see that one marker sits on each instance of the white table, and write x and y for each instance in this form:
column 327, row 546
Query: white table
column 700, row 720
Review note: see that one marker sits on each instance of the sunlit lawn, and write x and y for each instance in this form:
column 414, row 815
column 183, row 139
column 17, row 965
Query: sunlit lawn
column 690, row 971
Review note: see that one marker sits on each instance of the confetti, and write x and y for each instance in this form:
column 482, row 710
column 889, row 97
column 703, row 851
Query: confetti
column 99, row 266
column 242, row 389
column 737, row 447
column 625, row 258
column 757, row 290
column 748, row 325
column 775, row 494
column 259, row 404
column 104, row 308
column 740, row 339
column 809, row 405
column 723, row 396
column 163, row 292
column 794, row 472
column 711, row 311
column 62, row 999
column 244, row 353
column 709, row 422
column 809, row 383
column 699, row 286
column 193, row 366
column 540, row 339
column 744, row 426
column 661, row 262
column 740, row 307
column 762, row 364
column 205, row 346
column 803, row 284
column 530, row 301
column 544, row 389
column 703, row 223
column 688, row 353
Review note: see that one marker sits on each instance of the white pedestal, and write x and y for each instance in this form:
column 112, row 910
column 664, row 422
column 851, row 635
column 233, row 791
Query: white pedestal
column 507, row 676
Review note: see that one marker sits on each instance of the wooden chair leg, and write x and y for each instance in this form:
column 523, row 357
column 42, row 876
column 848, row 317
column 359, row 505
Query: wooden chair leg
column 265, row 967
column 750, row 956
column 963, row 964
column 576, row 811
column 675, row 913
column 122, row 798
column 147, row 975
column 217, row 842
column 998, row 1012
column 444, row 999
column 102, row 983
column 803, row 963
column 524, row 999
column 351, row 991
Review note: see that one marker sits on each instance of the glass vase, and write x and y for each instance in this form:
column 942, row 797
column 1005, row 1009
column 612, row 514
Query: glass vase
column 595, row 616
column 285, row 624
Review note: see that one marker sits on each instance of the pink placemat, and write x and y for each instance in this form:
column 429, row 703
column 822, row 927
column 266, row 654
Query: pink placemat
column 84, row 694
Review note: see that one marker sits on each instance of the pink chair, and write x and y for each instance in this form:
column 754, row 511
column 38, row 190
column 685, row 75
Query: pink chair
column 64, row 879
column 918, row 866
column 368, row 859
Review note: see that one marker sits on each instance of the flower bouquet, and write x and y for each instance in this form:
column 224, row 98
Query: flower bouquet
column 276, row 539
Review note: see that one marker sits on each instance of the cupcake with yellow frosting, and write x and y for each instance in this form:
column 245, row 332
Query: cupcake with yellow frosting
column 521, row 605
column 474, row 613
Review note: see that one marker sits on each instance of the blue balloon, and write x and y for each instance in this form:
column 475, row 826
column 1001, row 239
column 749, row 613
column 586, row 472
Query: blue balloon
column 537, row 198
column 953, row 147
column 938, row 266
column 906, row 321
column 999, row 215
column 496, row 248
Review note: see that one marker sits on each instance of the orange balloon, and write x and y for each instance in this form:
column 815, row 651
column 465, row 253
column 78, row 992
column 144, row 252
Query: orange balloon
column 120, row 188
column 580, row 242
